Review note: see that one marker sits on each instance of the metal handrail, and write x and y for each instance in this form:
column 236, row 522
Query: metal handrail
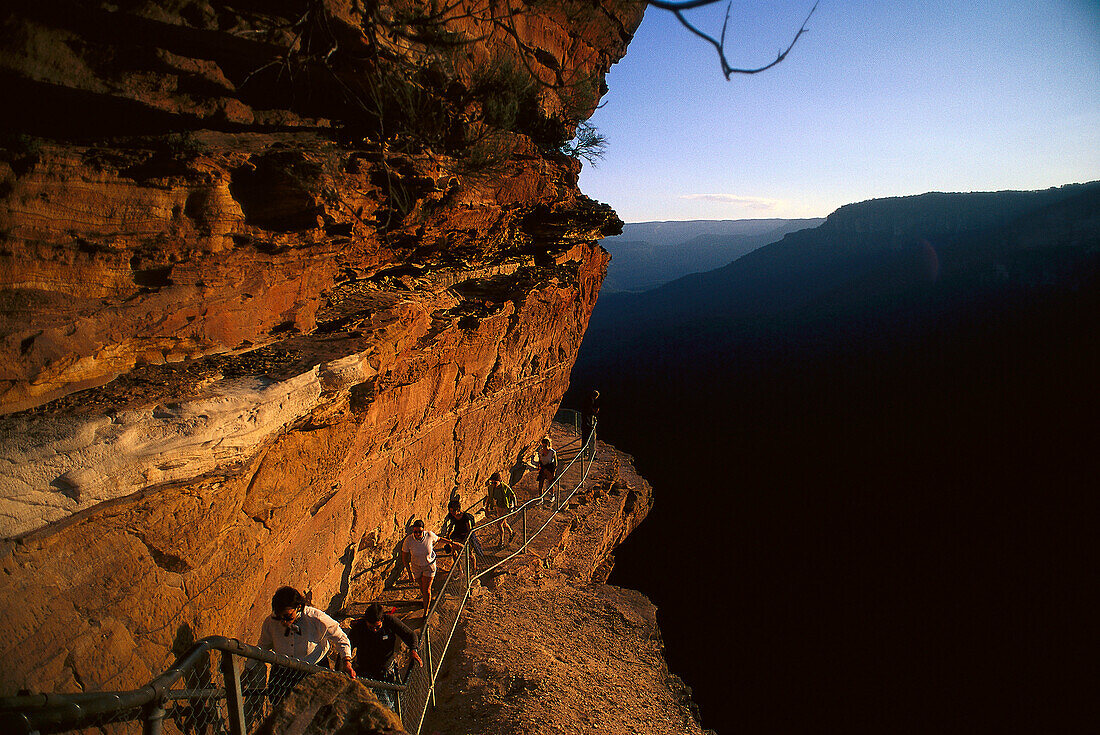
column 462, row 562
column 56, row 712
column 550, row 490
column 521, row 509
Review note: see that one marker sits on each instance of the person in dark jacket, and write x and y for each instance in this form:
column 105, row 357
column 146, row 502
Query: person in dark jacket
column 588, row 426
column 458, row 527
column 375, row 639
column 500, row 500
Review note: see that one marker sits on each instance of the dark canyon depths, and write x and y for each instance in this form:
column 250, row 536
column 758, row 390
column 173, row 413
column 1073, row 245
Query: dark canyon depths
column 871, row 445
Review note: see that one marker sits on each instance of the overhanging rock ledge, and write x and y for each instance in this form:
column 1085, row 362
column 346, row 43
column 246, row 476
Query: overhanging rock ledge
column 257, row 311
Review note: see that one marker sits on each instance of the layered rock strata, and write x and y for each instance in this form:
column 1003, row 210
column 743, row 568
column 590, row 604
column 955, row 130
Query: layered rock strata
column 248, row 331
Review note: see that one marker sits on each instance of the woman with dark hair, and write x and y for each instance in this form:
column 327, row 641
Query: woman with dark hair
column 303, row 632
column 458, row 528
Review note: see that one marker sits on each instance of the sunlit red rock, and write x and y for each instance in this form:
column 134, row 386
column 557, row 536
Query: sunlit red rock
column 238, row 348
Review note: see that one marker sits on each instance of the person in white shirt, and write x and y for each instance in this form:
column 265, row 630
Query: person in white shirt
column 418, row 557
column 304, row 632
column 547, row 464
column 296, row 629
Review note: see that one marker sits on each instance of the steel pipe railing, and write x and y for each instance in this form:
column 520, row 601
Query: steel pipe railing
column 450, row 602
column 192, row 705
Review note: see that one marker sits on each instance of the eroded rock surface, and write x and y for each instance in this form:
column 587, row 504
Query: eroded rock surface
column 251, row 325
column 331, row 704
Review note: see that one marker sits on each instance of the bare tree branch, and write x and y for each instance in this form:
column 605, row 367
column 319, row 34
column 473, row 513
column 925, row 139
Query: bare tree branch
column 719, row 44
column 686, row 5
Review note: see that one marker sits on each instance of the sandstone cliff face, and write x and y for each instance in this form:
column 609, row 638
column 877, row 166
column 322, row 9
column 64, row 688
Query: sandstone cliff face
column 248, row 331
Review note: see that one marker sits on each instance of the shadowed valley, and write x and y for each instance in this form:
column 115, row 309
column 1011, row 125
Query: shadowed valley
column 870, row 441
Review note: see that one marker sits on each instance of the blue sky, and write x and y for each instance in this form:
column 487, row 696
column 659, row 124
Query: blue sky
column 878, row 99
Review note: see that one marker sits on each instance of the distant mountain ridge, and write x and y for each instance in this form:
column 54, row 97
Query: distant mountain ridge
column 648, row 254
column 854, row 243
column 938, row 214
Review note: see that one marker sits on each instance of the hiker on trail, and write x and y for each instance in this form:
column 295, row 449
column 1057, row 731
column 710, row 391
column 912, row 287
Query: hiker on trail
column 500, row 501
column 588, row 424
column 375, row 639
column 458, row 527
column 298, row 630
column 547, row 462
column 418, row 557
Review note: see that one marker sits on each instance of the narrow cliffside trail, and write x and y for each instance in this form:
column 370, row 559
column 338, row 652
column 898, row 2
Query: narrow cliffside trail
column 548, row 647
column 293, row 273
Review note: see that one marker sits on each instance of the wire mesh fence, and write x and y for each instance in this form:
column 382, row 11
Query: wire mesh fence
column 219, row 686
column 439, row 626
column 196, row 703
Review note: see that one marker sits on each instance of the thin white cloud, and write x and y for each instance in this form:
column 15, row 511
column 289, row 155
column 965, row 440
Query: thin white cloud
column 757, row 203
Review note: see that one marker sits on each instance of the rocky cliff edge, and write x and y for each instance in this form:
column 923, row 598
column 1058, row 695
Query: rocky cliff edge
column 275, row 278
column 544, row 645
column 548, row 647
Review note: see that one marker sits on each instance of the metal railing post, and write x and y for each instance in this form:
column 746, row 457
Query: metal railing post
column 525, row 525
column 154, row 718
column 431, row 671
column 234, row 700
column 195, row 706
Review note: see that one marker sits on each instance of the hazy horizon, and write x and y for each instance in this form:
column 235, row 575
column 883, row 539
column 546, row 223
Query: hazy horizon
column 892, row 418
column 876, row 100
column 825, row 215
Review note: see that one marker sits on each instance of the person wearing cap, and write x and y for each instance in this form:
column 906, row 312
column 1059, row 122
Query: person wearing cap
column 304, row 632
column 499, row 501
column 458, row 527
column 418, row 558
column 375, row 639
